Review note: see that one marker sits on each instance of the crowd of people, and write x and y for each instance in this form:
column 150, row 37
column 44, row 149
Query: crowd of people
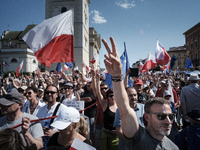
column 158, row 111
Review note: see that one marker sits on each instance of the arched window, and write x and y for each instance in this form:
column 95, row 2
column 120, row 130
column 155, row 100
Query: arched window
column 64, row 9
column 34, row 61
column 14, row 60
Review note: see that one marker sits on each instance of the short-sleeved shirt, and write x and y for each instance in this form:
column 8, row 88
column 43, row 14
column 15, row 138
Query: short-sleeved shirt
column 35, row 128
column 144, row 141
column 190, row 95
column 139, row 110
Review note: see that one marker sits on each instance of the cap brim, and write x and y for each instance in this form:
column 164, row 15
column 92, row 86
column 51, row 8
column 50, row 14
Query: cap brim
column 60, row 125
column 6, row 102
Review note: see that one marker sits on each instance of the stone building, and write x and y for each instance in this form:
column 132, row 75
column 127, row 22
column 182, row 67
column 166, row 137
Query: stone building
column 192, row 41
column 86, row 40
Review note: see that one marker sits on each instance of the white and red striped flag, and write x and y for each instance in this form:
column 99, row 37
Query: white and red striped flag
column 19, row 68
column 65, row 67
column 161, row 55
column 53, row 40
column 94, row 59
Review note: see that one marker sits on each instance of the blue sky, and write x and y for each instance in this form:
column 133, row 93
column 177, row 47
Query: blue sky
column 138, row 23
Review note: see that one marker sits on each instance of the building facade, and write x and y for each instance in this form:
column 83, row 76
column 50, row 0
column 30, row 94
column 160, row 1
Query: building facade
column 192, row 41
column 14, row 48
column 180, row 54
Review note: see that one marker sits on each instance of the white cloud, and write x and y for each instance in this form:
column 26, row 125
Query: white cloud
column 97, row 18
column 125, row 4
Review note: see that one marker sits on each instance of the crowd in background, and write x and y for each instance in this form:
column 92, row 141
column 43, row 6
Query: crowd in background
column 104, row 129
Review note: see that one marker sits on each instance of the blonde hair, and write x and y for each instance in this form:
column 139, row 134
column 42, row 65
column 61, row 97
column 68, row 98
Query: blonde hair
column 82, row 127
column 10, row 139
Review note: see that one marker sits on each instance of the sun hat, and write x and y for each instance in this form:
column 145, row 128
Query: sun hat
column 12, row 97
column 193, row 77
column 66, row 117
column 40, row 89
column 68, row 84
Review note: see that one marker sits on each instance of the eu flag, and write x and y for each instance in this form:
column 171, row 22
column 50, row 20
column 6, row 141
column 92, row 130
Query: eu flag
column 189, row 64
column 173, row 59
column 70, row 64
column 125, row 67
column 58, row 68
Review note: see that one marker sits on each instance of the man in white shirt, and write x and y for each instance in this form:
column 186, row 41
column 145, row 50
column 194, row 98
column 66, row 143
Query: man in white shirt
column 52, row 96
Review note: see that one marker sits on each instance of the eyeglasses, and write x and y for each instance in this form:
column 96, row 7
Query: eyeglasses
column 29, row 93
column 162, row 116
column 110, row 95
column 52, row 92
column 104, row 88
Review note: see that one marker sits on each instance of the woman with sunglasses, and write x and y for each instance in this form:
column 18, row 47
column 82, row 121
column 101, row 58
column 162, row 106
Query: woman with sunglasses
column 32, row 104
column 109, row 139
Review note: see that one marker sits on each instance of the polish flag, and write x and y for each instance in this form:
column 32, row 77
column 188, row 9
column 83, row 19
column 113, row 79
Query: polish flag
column 141, row 65
column 79, row 145
column 53, row 40
column 161, row 55
column 154, row 64
column 19, row 68
column 86, row 67
column 65, row 67
column 94, row 59
column 148, row 63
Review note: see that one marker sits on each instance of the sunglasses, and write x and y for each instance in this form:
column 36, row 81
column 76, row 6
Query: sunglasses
column 162, row 116
column 110, row 95
column 29, row 93
column 104, row 88
column 52, row 92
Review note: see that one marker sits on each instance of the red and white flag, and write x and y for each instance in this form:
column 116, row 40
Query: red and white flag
column 86, row 67
column 19, row 68
column 79, row 145
column 148, row 63
column 94, row 59
column 161, row 55
column 65, row 67
column 154, row 64
column 53, row 40
column 141, row 65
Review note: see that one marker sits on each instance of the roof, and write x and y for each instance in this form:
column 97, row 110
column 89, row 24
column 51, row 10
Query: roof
column 193, row 28
column 12, row 35
column 180, row 48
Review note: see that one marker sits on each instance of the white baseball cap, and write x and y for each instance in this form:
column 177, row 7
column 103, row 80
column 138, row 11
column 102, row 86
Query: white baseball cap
column 66, row 117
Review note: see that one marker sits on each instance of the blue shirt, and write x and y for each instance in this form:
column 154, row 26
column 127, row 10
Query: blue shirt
column 139, row 110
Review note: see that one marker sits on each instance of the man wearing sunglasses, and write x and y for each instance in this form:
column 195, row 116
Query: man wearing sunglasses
column 31, row 133
column 158, row 117
column 52, row 97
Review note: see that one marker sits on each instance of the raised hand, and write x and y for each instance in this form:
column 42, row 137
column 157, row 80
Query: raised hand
column 112, row 60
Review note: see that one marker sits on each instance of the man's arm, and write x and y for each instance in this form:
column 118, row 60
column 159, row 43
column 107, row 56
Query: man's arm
column 32, row 143
column 113, row 65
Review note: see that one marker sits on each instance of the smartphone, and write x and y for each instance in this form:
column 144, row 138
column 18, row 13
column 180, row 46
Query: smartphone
column 134, row 72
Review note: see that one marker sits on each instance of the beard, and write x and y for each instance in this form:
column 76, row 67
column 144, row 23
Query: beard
column 165, row 132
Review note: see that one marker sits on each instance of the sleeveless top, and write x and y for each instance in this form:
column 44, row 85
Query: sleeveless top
column 109, row 118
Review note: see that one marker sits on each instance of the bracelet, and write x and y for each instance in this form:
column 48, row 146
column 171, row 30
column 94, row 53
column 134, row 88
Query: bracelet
column 117, row 78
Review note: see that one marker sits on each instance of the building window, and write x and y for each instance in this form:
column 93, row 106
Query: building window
column 191, row 46
column 196, row 55
column 34, row 61
column 14, row 60
column 85, row 19
column 196, row 44
column 85, row 42
column 192, row 36
column 191, row 57
column 188, row 38
column 188, row 47
column 196, row 34
column 179, row 55
column 64, row 9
